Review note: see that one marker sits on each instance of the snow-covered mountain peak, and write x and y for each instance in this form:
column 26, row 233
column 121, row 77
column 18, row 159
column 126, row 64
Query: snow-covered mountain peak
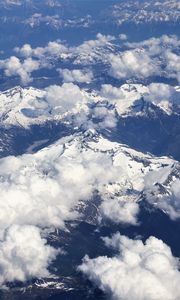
column 137, row 99
column 16, row 101
column 83, row 163
column 27, row 106
column 92, row 142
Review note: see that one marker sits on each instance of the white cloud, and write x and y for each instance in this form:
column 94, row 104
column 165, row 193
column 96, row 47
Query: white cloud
column 65, row 97
column 119, row 211
column 155, row 46
column 55, row 48
column 162, row 95
column 173, row 65
column 76, row 75
column 160, row 92
column 14, row 67
column 111, row 93
column 123, row 37
column 155, row 56
column 139, row 271
column 106, row 117
column 132, row 64
column 25, row 51
column 24, row 254
column 162, row 49
column 98, row 117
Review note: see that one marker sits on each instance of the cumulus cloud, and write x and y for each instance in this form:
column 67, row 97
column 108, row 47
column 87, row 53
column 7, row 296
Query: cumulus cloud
column 155, row 46
column 65, row 97
column 173, row 65
column 123, row 37
column 14, row 67
column 104, row 116
column 24, row 254
column 139, row 271
column 25, row 51
column 159, row 92
column 120, row 211
column 162, row 95
column 98, row 117
column 111, row 93
column 132, row 64
column 55, row 48
column 155, row 56
column 169, row 200
column 41, row 57
column 164, row 49
column 91, row 113
column 76, row 75
column 87, row 51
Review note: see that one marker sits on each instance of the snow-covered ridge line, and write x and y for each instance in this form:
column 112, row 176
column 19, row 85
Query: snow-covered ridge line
column 125, row 12
column 27, row 106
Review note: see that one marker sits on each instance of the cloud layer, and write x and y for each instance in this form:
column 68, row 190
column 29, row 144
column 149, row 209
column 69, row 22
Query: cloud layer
column 64, row 98
column 14, row 67
column 132, row 64
column 24, row 254
column 152, row 57
column 160, row 92
column 76, row 75
column 140, row 271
